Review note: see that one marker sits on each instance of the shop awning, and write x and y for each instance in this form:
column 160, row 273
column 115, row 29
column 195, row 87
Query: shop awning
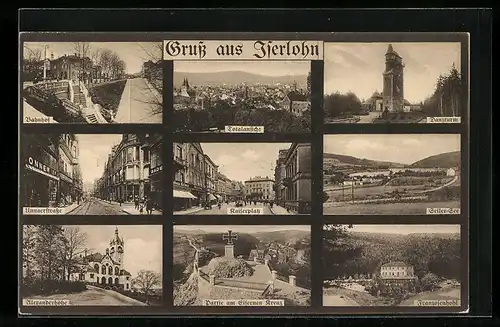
column 211, row 197
column 184, row 195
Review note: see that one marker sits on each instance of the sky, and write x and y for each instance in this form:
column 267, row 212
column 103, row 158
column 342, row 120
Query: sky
column 94, row 150
column 142, row 249
column 134, row 54
column 397, row 148
column 240, row 161
column 266, row 68
column 358, row 67
column 241, row 228
column 405, row 229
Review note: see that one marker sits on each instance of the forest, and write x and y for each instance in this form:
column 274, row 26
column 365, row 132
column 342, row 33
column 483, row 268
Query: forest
column 349, row 253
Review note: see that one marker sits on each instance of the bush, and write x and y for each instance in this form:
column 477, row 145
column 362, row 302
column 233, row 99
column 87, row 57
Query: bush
column 47, row 287
column 429, row 282
column 108, row 95
column 229, row 268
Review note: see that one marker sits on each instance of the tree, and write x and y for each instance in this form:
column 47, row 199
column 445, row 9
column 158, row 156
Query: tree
column 337, row 104
column 82, row 50
column 429, row 282
column 28, row 248
column 74, row 243
column 309, row 84
column 48, row 252
column 32, row 64
column 146, row 281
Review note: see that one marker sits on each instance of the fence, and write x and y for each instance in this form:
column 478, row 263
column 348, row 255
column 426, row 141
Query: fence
column 204, row 275
column 241, row 284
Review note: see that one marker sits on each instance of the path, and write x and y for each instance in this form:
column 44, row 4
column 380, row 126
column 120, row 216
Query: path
column 338, row 301
column 139, row 104
column 453, row 181
column 97, row 207
column 93, row 296
column 366, row 119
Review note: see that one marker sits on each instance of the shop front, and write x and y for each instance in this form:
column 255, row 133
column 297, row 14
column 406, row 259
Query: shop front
column 40, row 181
column 66, row 190
column 183, row 199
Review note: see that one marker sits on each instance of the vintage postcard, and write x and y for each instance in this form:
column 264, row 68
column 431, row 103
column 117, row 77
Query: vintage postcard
column 242, row 178
column 391, row 174
column 242, row 87
column 92, row 174
column 217, row 265
column 393, row 82
column 92, row 265
column 92, row 82
column 392, row 265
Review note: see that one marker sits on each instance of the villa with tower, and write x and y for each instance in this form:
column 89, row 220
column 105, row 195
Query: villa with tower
column 104, row 268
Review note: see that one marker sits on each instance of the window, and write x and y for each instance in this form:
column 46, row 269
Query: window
column 91, row 276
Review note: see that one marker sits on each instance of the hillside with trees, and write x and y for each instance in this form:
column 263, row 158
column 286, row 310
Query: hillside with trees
column 234, row 77
column 348, row 253
column 442, row 160
column 350, row 160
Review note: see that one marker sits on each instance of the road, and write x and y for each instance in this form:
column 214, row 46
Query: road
column 366, row 119
column 93, row 296
column 224, row 208
column 139, row 104
column 337, row 301
column 97, row 207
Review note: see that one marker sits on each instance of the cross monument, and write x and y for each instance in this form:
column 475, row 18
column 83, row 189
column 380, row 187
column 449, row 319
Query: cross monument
column 229, row 248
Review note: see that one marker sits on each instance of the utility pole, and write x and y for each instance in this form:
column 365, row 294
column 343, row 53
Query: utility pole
column 45, row 62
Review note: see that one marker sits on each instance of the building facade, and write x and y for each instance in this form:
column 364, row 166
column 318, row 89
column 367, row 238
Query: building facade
column 296, row 103
column 279, row 176
column 105, row 269
column 397, row 273
column 260, row 188
column 297, row 179
column 154, row 146
column 393, row 81
column 224, row 187
column 126, row 172
column 52, row 175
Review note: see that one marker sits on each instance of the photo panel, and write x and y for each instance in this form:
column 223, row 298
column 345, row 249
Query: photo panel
column 394, row 266
column 92, row 174
column 398, row 82
column 242, row 265
column 92, row 82
column 91, row 265
column 242, row 178
column 392, row 174
column 245, row 86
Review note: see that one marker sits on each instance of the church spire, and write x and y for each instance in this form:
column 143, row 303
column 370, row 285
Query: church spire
column 390, row 49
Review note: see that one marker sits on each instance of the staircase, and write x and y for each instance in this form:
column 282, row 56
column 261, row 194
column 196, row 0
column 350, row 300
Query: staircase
column 79, row 97
column 91, row 118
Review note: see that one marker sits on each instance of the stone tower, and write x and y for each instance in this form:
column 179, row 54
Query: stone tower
column 393, row 95
column 116, row 249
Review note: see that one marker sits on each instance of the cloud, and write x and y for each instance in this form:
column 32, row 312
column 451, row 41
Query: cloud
column 411, row 142
column 226, row 160
column 358, row 145
column 142, row 255
column 250, row 155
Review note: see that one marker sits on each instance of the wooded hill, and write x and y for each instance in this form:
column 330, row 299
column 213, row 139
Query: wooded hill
column 350, row 253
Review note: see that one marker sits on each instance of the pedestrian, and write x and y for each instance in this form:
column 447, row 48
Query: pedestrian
column 271, row 204
column 149, row 206
column 136, row 203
